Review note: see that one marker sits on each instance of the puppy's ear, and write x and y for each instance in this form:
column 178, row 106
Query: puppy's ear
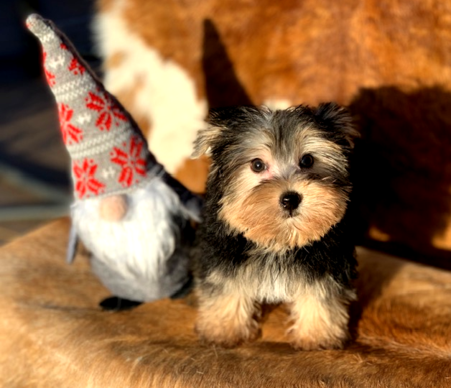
column 218, row 119
column 224, row 121
column 339, row 122
column 204, row 140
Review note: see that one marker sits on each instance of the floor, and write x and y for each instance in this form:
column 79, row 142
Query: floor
column 34, row 174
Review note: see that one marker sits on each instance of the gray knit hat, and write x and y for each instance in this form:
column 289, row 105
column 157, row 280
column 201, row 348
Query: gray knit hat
column 108, row 151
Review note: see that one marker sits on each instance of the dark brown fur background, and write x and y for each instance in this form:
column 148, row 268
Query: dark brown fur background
column 388, row 60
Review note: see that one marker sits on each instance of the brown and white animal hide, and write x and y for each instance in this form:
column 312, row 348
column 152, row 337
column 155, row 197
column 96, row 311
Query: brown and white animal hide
column 53, row 334
column 390, row 61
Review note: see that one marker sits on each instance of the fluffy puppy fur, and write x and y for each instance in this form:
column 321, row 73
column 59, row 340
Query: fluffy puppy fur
column 275, row 224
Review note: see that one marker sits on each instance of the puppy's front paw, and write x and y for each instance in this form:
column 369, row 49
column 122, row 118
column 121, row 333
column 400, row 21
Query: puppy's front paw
column 226, row 319
column 319, row 323
column 316, row 341
column 227, row 334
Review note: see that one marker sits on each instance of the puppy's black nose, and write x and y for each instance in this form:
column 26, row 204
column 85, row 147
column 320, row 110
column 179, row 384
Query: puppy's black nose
column 290, row 201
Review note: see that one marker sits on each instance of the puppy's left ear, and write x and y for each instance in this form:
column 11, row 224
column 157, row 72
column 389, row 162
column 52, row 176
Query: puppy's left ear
column 204, row 140
column 339, row 122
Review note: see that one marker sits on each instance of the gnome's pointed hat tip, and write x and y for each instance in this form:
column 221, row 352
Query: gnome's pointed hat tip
column 36, row 23
column 31, row 19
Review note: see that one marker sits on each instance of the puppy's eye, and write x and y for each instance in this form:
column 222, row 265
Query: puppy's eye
column 306, row 161
column 257, row 165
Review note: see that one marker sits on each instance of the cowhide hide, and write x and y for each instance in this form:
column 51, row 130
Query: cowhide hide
column 389, row 61
column 53, row 333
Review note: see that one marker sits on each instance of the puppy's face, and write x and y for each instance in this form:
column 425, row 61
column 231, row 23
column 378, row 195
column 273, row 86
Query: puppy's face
column 283, row 175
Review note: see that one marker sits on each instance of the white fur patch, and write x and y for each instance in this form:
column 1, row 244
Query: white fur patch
column 277, row 104
column 130, row 256
column 166, row 95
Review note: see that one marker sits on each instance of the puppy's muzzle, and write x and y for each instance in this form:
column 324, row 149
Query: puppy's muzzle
column 290, row 201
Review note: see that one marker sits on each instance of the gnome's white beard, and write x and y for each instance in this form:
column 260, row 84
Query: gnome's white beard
column 139, row 257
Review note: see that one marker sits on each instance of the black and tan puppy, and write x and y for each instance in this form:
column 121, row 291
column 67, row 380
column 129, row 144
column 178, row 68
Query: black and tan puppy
column 275, row 224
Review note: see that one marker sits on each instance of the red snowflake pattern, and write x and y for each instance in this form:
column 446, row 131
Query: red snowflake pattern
column 109, row 112
column 75, row 67
column 86, row 182
column 50, row 76
column 132, row 162
column 71, row 134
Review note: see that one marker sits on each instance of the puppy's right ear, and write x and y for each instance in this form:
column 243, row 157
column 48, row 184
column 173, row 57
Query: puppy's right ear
column 204, row 140
column 221, row 120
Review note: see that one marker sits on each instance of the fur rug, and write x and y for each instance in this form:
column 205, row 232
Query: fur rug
column 53, row 334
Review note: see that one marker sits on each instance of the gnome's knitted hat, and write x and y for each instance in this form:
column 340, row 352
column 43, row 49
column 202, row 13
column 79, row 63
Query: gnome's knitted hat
column 109, row 153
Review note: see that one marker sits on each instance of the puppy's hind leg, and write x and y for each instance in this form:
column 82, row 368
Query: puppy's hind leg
column 226, row 319
column 320, row 318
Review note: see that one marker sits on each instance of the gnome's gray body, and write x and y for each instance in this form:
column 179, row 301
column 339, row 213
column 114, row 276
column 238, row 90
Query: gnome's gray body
column 129, row 212
column 143, row 256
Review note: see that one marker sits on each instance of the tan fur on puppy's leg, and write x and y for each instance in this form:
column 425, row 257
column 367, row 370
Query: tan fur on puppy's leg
column 227, row 319
column 320, row 321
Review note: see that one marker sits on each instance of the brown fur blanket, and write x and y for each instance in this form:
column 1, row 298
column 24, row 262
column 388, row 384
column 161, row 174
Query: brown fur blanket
column 53, row 334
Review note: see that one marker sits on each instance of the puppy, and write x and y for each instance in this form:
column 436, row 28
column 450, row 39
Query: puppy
column 276, row 224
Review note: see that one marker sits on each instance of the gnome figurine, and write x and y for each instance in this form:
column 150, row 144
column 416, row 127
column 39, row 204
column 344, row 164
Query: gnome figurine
column 133, row 217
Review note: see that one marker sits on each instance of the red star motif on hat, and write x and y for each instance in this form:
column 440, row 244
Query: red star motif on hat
column 48, row 75
column 85, row 181
column 71, row 134
column 75, row 67
column 132, row 161
column 109, row 113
